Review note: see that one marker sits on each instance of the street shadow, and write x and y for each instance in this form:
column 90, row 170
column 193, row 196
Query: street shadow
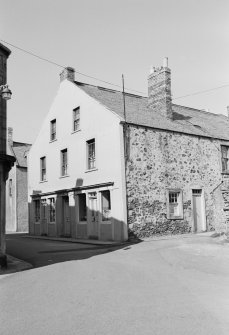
column 78, row 215
column 41, row 252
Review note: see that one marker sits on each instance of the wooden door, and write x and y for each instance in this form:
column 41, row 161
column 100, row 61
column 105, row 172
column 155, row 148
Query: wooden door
column 198, row 210
column 66, row 217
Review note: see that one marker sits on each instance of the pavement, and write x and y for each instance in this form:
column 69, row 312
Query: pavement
column 15, row 265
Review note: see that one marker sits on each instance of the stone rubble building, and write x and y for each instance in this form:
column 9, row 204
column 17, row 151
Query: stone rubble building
column 168, row 174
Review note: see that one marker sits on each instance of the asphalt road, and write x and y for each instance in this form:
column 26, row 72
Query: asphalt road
column 162, row 287
column 40, row 252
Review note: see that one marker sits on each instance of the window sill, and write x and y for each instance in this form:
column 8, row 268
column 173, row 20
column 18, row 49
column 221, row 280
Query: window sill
column 75, row 131
column 91, row 170
column 175, row 218
column 53, row 140
column 43, row 181
column 65, row 176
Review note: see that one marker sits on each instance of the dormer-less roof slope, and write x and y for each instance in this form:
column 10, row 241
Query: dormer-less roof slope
column 185, row 120
column 20, row 151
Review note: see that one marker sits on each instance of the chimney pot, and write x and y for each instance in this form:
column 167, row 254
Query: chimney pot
column 165, row 62
column 67, row 73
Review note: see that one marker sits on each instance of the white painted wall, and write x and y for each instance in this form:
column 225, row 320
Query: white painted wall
column 96, row 121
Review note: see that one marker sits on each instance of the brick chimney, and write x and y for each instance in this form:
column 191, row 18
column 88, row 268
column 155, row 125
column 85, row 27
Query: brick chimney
column 159, row 90
column 10, row 136
column 67, row 73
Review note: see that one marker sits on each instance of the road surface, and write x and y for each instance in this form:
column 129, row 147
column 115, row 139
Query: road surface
column 176, row 286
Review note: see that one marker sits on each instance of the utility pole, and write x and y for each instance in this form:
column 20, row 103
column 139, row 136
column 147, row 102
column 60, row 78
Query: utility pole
column 125, row 142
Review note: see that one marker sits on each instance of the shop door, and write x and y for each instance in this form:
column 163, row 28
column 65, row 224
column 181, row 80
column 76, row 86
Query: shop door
column 66, row 217
column 198, row 211
column 92, row 215
column 44, row 222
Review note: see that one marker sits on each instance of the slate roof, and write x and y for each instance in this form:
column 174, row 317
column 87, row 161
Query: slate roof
column 20, row 151
column 185, row 120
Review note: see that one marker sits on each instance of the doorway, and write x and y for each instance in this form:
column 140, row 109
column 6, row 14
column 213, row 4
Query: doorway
column 92, row 215
column 66, row 223
column 198, row 211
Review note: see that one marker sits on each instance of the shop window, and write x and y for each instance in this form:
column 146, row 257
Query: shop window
column 52, row 210
column 82, row 207
column 106, row 205
column 37, row 210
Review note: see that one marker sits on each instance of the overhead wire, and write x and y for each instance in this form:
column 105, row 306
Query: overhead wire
column 104, row 81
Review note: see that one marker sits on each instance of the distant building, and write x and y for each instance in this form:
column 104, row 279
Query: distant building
column 17, row 187
column 97, row 173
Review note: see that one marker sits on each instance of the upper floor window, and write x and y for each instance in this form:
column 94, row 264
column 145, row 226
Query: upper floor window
column 225, row 158
column 91, row 154
column 175, row 204
column 53, row 130
column 76, row 119
column 64, row 162
column 43, row 168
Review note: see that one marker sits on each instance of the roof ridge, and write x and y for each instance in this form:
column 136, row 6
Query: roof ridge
column 199, row 110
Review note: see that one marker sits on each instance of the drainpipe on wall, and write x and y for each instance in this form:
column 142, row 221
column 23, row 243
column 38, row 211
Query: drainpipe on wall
column 125, row 143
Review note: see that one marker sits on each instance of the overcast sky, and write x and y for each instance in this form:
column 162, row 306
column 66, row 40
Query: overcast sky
column 105, row 38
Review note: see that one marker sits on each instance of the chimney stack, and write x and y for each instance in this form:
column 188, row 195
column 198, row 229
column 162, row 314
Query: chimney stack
column 159, row 90
column 10, row 136
column 67, row 73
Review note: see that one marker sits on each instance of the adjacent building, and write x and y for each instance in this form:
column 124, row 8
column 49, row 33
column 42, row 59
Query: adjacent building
column 106, row 165
column 17, row 187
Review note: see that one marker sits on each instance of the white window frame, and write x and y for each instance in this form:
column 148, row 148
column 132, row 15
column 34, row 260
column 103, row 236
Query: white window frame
column 175, row 201
column 53, row 130
column 43, row 170
column 64, row 164
column 91, row 159
column 76, row 119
